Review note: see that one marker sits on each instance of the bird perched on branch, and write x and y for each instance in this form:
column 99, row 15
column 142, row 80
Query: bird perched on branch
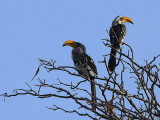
column 117, row 34
column 84, row 65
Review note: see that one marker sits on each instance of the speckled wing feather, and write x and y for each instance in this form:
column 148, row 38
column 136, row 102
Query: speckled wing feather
column 84, row 63
column 117, row 34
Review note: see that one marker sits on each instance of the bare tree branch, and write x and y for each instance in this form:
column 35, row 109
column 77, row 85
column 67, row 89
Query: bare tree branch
column 114, row 100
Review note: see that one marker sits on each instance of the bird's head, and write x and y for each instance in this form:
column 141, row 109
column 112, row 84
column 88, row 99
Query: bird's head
column 121, row 20
column 74, row 44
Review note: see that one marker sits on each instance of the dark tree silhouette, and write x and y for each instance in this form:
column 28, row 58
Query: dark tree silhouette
column 117, row 98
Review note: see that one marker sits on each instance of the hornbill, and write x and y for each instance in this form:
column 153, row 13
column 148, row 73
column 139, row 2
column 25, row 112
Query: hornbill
column 117, row 34
column 84, row 65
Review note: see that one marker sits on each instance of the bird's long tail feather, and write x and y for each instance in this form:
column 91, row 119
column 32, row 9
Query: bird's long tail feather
column 112, row 60
column 93, row 91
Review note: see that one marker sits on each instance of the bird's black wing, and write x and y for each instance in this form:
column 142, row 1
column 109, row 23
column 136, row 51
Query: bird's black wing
column 85, row 63
column 117, row 34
